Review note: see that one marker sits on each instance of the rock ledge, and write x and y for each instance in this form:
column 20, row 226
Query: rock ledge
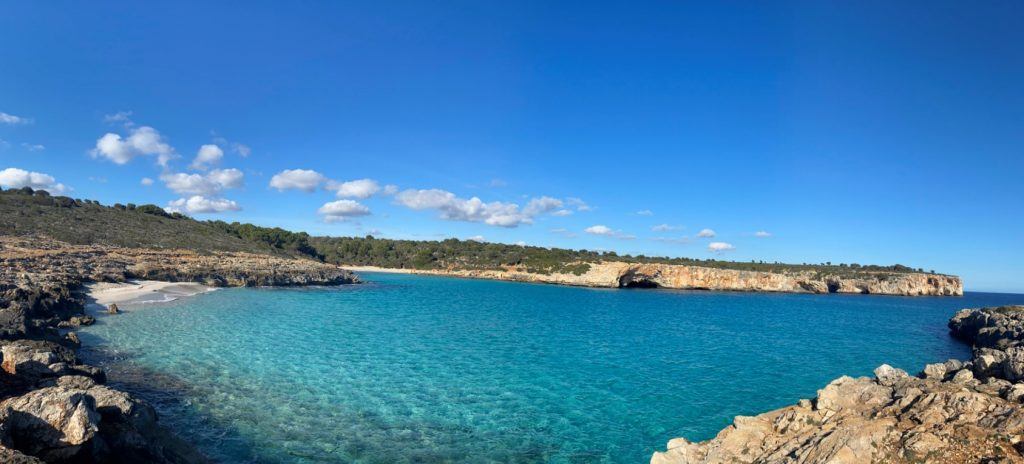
column 952, row 412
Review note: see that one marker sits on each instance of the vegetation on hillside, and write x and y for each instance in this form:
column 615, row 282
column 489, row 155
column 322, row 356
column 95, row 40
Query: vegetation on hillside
column 467, row 254
column 28, row 212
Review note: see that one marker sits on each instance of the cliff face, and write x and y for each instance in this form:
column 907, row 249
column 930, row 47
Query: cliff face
column 619, row 274
column 951, row 412
column 54, row 408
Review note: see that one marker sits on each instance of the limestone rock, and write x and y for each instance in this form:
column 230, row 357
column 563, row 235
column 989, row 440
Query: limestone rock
column 77, row 321
column 947, row 415
column 888, row 375
column 963, row 376
column 10, row 456
column 31, row 359
column 1015, row 393
column 934, row 371
column 52, row 423
column 622, row 274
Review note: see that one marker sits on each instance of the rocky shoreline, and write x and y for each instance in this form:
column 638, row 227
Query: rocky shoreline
column 616, row 274
column 951, row 412
column 53, row 408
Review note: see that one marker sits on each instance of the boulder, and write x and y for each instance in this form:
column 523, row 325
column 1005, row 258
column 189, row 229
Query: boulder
column 888, row 375
column 77, row 321
column 934, row 371
column 1014, row 393
column 1013, row 364
column 10, row 456
column 31, row 359
column 52, row 423
column 963, row 376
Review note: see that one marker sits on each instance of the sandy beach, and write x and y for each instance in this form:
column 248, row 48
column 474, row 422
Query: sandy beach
column 141, row 291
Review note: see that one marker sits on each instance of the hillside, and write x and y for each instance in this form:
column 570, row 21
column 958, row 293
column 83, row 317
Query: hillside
column 24, row 212
column 86, row 222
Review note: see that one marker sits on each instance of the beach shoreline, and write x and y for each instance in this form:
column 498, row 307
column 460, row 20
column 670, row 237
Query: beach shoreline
column 136, row 292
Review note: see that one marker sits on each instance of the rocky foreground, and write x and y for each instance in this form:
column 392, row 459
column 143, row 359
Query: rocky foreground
column 952, row 412
column 54, row 408
column 615, row 274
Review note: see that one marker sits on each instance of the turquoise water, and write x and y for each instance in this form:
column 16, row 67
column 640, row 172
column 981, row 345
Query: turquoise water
column 431, row 369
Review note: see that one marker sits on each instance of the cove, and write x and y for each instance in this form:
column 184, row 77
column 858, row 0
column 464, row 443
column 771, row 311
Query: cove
column 410, row 368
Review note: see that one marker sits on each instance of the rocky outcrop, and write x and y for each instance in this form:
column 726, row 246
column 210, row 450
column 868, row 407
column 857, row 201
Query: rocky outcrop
column 38, row 277
column 54, row 408
column 614, row 274
column 953, row 412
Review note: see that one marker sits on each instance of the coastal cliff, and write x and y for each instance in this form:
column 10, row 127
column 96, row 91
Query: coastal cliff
column 952, row 412
column 53, row 408
column 615, row 274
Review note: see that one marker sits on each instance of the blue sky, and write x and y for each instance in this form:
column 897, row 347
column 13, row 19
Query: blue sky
column 865, row 132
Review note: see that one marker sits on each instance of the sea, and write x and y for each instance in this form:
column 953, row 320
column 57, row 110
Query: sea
column 424, row 369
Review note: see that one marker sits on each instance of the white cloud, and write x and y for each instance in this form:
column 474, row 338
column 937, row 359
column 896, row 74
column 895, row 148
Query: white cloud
column 520, row 243
column 212, row 183
column 608, row 232
column 18, row 178
column 541, row 205
column 361, row 188
column 208, row 155
column 454, row 208
column 562, row 213
column 665, row 228
column 198, row 204
column 579, row 204
column 297, row 179
column 144, row 140
column 122, row 117
column 706, row 233
column 33, row 146
column 762, row 234
column 11, row 119
column 390, row 189
column 720, row 247
column 645, row 212
column 227, row 178
column 146, row 182
column 477, row 238
column 341, row 210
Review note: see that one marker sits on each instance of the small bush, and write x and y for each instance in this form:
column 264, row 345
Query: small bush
column 154, row 210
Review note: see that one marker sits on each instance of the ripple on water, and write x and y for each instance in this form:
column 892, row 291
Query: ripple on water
column 425, row 369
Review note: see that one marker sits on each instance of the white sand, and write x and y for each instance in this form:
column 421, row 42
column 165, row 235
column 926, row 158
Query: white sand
column 141, row 291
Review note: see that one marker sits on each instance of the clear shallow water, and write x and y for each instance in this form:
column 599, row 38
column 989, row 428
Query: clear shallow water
column 430, row 369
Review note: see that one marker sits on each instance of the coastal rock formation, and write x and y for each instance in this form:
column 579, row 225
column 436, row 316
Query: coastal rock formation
column 54, row 408
column 953, row 412
column 614, row 274
column 39, row 277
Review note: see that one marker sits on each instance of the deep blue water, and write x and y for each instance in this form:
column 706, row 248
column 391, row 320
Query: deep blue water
column 432, row 369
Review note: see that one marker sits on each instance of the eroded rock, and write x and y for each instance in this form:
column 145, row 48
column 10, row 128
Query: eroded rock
column 51, row 423
column 955, row 412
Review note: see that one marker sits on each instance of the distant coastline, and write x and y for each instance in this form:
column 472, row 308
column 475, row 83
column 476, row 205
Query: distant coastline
column 616, row 274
